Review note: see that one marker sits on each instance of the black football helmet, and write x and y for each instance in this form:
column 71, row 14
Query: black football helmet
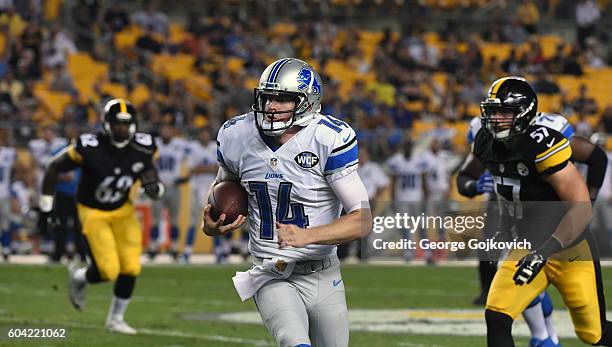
column 119, row 111
column 509, row 108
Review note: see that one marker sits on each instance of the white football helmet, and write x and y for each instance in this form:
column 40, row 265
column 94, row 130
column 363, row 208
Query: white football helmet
column 293, row 78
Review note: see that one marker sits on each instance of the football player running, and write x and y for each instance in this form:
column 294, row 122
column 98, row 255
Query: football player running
column 300, row 170
column 538, row 314
column 530, row 164
column 111, row 162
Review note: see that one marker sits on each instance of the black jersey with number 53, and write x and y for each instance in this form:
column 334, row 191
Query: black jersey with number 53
column 519, row 164
column 109, row 172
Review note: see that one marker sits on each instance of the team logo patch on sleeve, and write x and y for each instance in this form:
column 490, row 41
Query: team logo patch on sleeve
column 306, row 160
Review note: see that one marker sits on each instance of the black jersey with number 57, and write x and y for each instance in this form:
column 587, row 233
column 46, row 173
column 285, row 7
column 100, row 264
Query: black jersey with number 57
column 109, row 172
column 519, row 164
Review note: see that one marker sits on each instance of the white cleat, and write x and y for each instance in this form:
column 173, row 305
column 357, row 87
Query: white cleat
column 119, row 326
column 76, row 289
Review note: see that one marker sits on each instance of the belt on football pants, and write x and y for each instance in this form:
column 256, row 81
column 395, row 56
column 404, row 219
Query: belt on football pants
column 303, row 267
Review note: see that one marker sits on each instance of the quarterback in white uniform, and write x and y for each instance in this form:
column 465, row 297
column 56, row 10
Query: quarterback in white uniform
column 300, row 169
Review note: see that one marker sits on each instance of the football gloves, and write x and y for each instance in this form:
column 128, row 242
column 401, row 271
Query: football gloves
column 154, row 190
column 528, row 268
column 485, row 184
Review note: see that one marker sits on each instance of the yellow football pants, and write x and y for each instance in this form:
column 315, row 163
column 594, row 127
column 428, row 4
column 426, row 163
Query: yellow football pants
column 577, row 276
column 115, row 239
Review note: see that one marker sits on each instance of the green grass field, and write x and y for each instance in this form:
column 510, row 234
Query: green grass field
column 183, row 306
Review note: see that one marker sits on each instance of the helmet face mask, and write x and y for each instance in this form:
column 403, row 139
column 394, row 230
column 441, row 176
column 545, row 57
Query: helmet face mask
column 284, row 81
column 119, row 122
column 509, row 108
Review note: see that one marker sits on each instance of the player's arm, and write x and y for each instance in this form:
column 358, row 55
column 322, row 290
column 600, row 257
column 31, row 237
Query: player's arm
column 471, row 179
column 355, row 224
column 66, row 160
column 583, row 151
column 570, row 187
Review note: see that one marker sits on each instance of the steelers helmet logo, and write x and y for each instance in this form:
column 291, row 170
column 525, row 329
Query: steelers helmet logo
column 522, row 169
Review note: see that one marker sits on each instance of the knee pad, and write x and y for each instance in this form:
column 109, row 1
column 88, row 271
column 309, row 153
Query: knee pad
column 547, row 305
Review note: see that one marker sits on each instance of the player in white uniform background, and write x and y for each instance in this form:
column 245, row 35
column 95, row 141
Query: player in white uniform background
column 42, row 150
column 203, row 167
column 408, row 173
column 378, row 186
column 172, row 155
column 8, row 156
column 299, row 169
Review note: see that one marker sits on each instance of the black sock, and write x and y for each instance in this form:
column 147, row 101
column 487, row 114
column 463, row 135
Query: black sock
column 93, row 274
column 606, row 337
column 124, row 286
column 499, row 329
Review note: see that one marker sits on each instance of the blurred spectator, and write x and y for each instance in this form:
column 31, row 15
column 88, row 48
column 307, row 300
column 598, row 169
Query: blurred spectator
column 25, row 66
column 115, row 18
column 583, row 127
column 571, row 66
column 583, row 103
column 61, row 81
column 529, row 16
column 472, row 91
column 151, row 18
column 449, row 61
column 76, row 111
column 85, row 16
column 32, row 39
column 587, row 16
column 147, row 43
column 514, row 32
column 119, row 72
column 280, row 47
column 511, row 65
column 593, row 54
column 544, row 84
column 57, row 47
column 606, row 120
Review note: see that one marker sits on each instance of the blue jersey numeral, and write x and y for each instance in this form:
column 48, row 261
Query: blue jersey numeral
column 166, row 163
column 284, row 205
column 408, row 181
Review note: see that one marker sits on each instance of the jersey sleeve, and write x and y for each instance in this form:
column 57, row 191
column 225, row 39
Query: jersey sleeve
column 548, row 148
column 473, row 128
column 225, row 151
column 342, row 155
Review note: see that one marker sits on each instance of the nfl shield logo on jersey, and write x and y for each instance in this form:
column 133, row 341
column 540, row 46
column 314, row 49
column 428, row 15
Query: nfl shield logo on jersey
column 273, row 162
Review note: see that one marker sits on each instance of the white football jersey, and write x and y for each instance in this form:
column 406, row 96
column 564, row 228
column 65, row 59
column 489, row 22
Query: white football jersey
column 288, row 184
column 439, row 167
column 202, row 155
column 7, row 160
column 170, row 159
column 373, row 177
column 408, row 173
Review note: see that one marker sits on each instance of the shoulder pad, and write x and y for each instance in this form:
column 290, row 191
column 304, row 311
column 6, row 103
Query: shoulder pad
column 547, row 147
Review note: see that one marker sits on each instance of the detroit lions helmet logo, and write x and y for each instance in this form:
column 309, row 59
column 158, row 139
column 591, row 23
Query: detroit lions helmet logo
column 307, row 82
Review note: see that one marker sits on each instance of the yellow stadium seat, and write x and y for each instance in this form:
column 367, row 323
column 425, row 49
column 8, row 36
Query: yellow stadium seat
column 235, row 64
column 115, row 89
column 140, row 94
column 549, row 103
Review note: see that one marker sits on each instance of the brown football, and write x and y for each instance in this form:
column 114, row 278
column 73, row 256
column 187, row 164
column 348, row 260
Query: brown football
column 230, row 198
